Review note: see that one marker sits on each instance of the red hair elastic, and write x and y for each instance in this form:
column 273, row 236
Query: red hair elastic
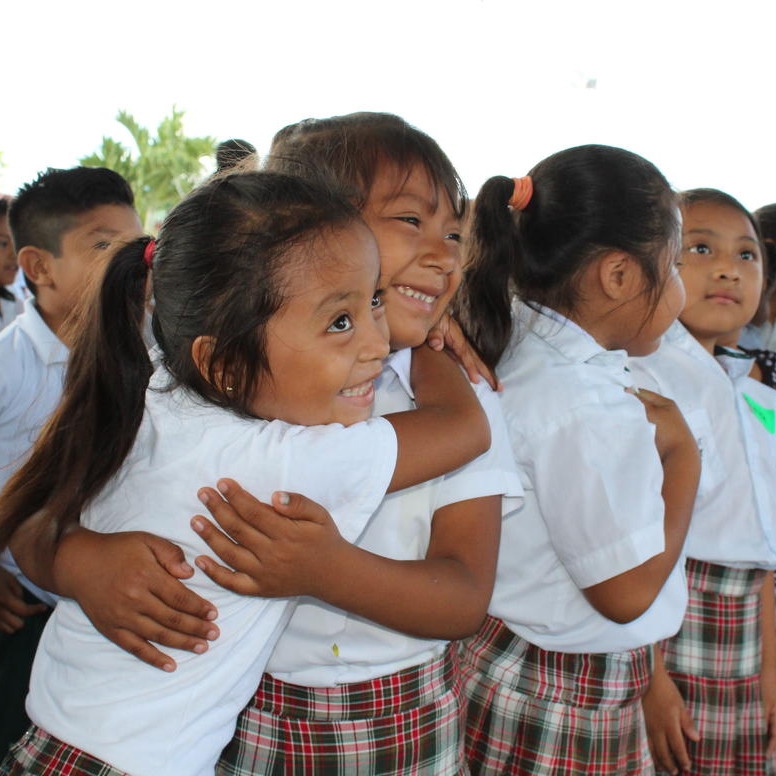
column 148, row 253
column 522, row 194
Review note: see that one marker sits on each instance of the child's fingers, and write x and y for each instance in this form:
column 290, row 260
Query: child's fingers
column 661, row 754
column 240, row 513
column 299, row 507
column 10, row 622
column 143, row 650
column 240, row 550
column 170, row 557
column 237, row 582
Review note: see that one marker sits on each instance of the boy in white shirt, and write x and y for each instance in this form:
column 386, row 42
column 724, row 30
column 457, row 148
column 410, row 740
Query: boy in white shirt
column 62, row 223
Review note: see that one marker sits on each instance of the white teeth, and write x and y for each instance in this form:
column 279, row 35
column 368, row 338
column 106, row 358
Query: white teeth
column 358, row 390
column 411, row 292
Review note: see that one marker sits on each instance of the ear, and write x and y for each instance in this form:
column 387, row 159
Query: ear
column 619, row 275
column 36, row 265
column 202, row 354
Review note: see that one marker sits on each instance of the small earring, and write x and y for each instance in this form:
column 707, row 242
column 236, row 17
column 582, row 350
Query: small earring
column 229, row 388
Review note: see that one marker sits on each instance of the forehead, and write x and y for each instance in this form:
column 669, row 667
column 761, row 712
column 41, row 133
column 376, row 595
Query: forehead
column 393, row 182
column 340, row 258
column 716, row 217
column 106, row 219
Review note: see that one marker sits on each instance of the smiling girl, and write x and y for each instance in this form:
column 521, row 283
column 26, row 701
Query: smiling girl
column 272, row 332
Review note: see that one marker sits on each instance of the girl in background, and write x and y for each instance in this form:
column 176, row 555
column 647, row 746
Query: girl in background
column 573, row 269
column 711, row 707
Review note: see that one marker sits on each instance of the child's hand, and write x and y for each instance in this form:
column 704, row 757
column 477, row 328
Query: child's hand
column 668, row 724
column 275, row 550
column 13, row 608
column 448, row 333
column 671, row 429
column 128, row 585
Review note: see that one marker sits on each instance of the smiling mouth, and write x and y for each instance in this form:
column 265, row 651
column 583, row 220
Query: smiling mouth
column 363, row 389
column 413, row 293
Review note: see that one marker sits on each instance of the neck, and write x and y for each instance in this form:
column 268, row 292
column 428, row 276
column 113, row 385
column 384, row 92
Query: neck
column 55, row 323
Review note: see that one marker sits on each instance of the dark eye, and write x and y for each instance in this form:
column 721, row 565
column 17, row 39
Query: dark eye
column 748, row 255
column 453, row 236
column 700, row 248
column 103, row 245
column 414, row 220
column 377, row 299
column 341, row 324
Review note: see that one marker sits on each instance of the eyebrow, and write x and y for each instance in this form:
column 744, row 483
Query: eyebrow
column 427, row 203
column 334, row 299
column 714, row 233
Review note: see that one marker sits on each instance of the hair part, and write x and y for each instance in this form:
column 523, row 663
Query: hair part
column 219, row 270
column 587, row 201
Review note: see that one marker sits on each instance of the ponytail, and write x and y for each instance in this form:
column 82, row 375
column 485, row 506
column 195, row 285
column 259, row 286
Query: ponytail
column 92, row 430
column 484, row 303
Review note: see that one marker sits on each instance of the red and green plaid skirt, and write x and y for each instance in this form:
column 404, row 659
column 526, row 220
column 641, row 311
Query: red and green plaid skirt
column 531, row 711
column 715, row 662
column 410, row 722
column 39, row 754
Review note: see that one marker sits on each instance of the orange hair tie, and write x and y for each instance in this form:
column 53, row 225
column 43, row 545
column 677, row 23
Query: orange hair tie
column 522, row 194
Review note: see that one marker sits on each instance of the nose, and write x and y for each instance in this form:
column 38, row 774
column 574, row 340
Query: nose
column 375, row 345
column 726, row 267
column 442, row 254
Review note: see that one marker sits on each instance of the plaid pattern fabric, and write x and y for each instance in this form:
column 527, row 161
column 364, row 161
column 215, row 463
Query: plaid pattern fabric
column 39, row 754
column 715, row 662
column 410, row 722
column 537, row 712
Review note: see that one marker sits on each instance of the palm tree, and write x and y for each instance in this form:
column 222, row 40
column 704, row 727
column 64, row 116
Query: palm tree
column 161, row 169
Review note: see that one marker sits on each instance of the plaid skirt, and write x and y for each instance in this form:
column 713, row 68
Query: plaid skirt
column 715, row 662
column 39, row 754
column 410, row 722
column 537, row 712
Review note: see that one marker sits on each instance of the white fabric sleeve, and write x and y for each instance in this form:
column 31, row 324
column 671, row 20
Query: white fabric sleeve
column 491, row 474
column 598, row 481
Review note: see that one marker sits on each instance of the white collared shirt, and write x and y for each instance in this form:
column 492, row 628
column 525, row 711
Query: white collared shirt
column 87, row 691
column 33, row 363
column 734, row 517
column 324, row 646
column 593, row 479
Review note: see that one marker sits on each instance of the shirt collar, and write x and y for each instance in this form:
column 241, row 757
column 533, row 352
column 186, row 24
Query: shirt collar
column 50, row 349
column 734, row 361
column 400, row 362
column 567, row 337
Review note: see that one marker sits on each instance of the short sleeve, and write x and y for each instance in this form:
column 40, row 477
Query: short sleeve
column 598, row 481
column 494, row 473
column 345, row 469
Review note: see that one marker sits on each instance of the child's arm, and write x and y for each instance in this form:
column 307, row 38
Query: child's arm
column 768, row 667
column 443, row 596
column 448, row 334
column 668, row 721
column 127, row 584
column 628, row 595
column 448, row 429
column 13, row 608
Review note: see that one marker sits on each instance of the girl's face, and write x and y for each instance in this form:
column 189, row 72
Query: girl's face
column 326, row 344
column 656, row 318
column 8, row 264
column 722, row 271
column 419, row 238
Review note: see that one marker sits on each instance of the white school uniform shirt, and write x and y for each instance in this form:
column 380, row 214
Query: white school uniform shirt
column 734, row 517
column 87, row 691
column 33, row 361
column 593, row 478
column 324, row 646
column 10, row 308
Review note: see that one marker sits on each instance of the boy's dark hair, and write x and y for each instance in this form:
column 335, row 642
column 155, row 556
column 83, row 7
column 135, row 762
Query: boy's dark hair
column 219, row 269
column 586, row 201
column 45, row 209
column 716, row 197
column 352, row 148
column 231, row 153
column 5, row 204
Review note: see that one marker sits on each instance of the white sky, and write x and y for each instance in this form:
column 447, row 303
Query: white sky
column 499, row 84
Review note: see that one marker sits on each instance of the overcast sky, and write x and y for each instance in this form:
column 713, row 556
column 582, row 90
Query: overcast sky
column 499, row 84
